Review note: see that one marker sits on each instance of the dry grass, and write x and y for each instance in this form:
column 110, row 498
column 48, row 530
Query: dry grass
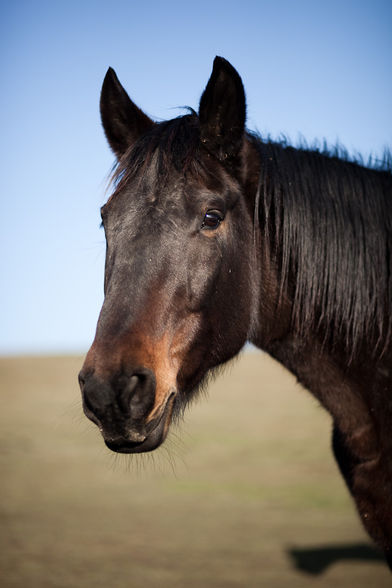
column 245, row 494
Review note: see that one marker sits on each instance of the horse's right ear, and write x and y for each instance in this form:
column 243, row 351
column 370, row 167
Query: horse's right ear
column 122, row 120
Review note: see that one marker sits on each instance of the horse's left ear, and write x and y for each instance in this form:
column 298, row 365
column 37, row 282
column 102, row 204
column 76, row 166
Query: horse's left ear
column 122, row 120
column 222, row 111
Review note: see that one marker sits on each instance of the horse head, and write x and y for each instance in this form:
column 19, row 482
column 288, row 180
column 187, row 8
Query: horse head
column 180, row 289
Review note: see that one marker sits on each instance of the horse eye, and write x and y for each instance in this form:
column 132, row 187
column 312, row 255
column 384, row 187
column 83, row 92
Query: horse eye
column 212, row 219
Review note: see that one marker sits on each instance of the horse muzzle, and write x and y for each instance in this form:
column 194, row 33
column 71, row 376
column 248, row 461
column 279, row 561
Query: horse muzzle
column 123, row 408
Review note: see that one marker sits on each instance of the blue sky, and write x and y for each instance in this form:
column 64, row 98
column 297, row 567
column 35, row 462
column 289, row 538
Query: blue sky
column 310, row 68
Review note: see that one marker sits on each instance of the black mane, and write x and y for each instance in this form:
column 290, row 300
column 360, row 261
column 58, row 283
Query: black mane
column 327, row 212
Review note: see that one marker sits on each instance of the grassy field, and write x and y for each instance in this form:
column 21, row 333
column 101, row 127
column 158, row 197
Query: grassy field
column 245, row 494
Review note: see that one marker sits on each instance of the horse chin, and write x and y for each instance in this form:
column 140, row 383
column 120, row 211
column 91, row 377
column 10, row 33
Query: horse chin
column 157, row 431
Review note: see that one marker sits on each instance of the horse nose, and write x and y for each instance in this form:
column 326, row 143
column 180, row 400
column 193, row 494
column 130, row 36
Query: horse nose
column 129, row 397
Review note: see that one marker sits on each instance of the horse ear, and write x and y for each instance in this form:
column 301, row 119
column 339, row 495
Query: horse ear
column 122, row 120
column 222, row 111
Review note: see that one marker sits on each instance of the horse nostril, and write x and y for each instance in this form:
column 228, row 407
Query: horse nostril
column 126, row 394
column 97, row 396
column 124, row 399
column 138, row 396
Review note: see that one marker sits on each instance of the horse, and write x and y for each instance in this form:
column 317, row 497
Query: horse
column 216, row 237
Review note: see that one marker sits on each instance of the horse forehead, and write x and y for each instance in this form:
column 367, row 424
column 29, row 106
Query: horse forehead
column 143, row 229
column 144, row 212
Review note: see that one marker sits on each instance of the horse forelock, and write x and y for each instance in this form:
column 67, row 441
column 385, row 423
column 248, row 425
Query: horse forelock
column 169, row 146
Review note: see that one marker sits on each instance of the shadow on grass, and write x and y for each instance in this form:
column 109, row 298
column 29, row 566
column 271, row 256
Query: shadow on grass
column 317, row 559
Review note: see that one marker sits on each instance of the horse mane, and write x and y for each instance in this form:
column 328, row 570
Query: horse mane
column 328, row 222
